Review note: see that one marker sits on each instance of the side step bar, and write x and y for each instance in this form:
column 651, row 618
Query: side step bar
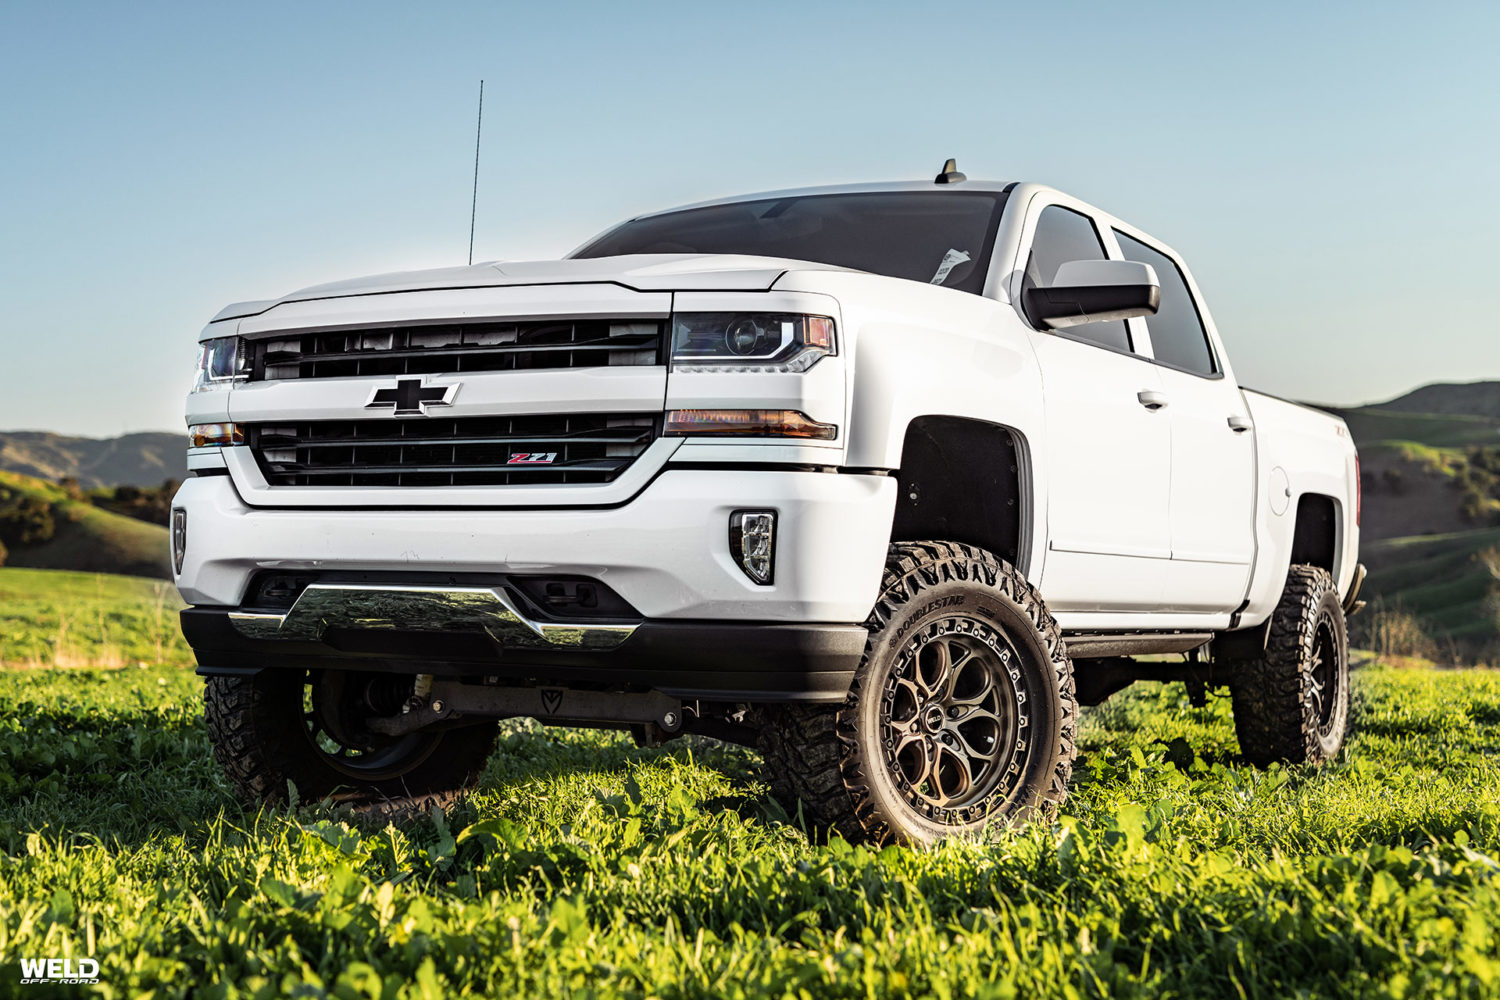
column 1093, row 645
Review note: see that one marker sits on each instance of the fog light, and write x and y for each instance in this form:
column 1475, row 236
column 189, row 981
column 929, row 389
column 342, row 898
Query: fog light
column 752, row 540
column 179, row 538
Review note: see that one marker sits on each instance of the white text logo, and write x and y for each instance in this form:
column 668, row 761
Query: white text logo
column 85, row 971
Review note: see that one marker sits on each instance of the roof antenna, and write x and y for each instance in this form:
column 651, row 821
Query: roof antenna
column 474, row 201
column 949, row 173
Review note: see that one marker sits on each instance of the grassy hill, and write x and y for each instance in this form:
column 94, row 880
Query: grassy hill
column 135, row 459
column 1427, row 558
column 1444, row 580
column 88, row 538
column 1468, row 399
column 1372, row 426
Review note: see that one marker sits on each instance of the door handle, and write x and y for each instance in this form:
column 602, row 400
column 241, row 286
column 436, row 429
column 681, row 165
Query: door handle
column 1151, row 399
column 1239, row 424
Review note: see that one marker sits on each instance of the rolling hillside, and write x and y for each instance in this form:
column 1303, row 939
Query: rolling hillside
column 135, row 459
column 87, row 538
column 1468, row 399
column 1426, row 556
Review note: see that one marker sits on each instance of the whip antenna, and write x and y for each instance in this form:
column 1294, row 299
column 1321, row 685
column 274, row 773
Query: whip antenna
column 474, row 200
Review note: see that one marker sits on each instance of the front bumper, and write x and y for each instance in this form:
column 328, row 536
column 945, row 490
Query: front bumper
column 703, row 629
column 666, row 552
column 712, row 661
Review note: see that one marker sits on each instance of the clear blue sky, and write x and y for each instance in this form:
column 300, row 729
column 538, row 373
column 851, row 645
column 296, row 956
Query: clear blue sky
column 1329, row 170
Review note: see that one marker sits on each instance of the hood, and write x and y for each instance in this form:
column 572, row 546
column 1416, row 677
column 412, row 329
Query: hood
column 641, row 272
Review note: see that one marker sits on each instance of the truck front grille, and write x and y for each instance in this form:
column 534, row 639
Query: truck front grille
column 467, row 451
column 460, row 347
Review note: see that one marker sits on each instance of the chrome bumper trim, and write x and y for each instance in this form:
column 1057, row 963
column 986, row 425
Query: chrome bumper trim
column 423, row 609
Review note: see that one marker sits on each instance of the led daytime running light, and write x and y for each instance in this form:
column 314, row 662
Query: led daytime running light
column 748, row 423
column 215, row 435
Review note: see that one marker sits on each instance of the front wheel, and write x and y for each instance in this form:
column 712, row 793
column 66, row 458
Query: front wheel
column 1292, row 704
column 304, row 728
column 961, row 714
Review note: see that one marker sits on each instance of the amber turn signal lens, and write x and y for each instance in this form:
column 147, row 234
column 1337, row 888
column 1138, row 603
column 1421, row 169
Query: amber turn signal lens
column 818, row 332
column 749, row 423
column 215, row 435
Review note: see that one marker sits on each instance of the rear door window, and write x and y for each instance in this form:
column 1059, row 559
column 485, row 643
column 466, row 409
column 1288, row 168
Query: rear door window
column 1177, row 335
column 1063, row 235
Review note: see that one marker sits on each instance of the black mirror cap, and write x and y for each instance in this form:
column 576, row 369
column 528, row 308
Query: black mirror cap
column 1078, row 305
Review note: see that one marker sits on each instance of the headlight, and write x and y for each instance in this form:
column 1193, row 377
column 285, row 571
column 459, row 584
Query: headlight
column 221, row 362
column 753, row 342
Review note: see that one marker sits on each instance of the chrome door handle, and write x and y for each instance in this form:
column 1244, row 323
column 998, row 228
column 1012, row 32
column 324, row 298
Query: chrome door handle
column 1239, row 424
column 1151, row 399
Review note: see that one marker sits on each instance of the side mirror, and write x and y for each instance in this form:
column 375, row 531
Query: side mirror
column 1094, row 291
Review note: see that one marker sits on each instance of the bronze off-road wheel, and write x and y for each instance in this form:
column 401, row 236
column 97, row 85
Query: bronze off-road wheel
column 961, row 715
column 1292, row 704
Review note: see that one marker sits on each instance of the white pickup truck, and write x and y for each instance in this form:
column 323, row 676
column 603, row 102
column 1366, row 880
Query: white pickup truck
column 884, row 479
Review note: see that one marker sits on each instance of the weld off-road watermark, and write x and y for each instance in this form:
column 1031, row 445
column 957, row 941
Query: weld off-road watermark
column 64, row 971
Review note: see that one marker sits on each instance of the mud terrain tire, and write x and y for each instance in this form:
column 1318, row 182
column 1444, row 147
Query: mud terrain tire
column 262, row 741
column 961, row 715
column 1292, row 704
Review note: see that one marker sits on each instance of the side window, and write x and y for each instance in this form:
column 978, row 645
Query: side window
column 1063, row 235
column 1177, row 335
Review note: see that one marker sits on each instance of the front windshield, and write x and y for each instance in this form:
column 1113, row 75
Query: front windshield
column 938, row 237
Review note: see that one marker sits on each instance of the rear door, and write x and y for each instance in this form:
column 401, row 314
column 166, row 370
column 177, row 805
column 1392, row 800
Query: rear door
column 1213, row 445
column 1108, row 446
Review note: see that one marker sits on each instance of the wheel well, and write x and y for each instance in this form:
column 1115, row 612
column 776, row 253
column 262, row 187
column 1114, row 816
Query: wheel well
column 960, row 481
column 1316, row 533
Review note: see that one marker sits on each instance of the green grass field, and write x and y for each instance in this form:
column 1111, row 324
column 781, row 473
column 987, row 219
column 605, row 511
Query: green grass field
column 584, row 866
column 52, row 618
column 90, row 539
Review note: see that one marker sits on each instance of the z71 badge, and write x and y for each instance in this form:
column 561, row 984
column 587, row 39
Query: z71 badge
column 533, row 458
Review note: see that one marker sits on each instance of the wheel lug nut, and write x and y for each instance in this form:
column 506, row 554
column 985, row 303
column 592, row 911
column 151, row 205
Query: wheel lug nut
column 953, row 712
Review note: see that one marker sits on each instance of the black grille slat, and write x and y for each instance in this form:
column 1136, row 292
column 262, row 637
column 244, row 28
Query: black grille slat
column 273, row 441
column 464, row 451
column 456, row 348
column 599, row 465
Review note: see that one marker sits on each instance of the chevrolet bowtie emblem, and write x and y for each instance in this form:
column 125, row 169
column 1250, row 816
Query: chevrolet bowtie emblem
column 411, row 398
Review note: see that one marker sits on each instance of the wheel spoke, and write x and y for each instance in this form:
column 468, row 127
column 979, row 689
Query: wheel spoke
column 974, row 712
column 913, row 750
column 989, row 740
column 907, row 703
column 956, row 772
column 934, row 663
column 956, row 666
column 986, row 684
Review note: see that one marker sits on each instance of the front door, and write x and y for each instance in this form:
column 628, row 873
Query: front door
column 1108, row 446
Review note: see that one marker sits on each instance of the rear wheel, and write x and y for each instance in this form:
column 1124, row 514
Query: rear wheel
column 306, row 728
column 962, row 713
column 1292, row 704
